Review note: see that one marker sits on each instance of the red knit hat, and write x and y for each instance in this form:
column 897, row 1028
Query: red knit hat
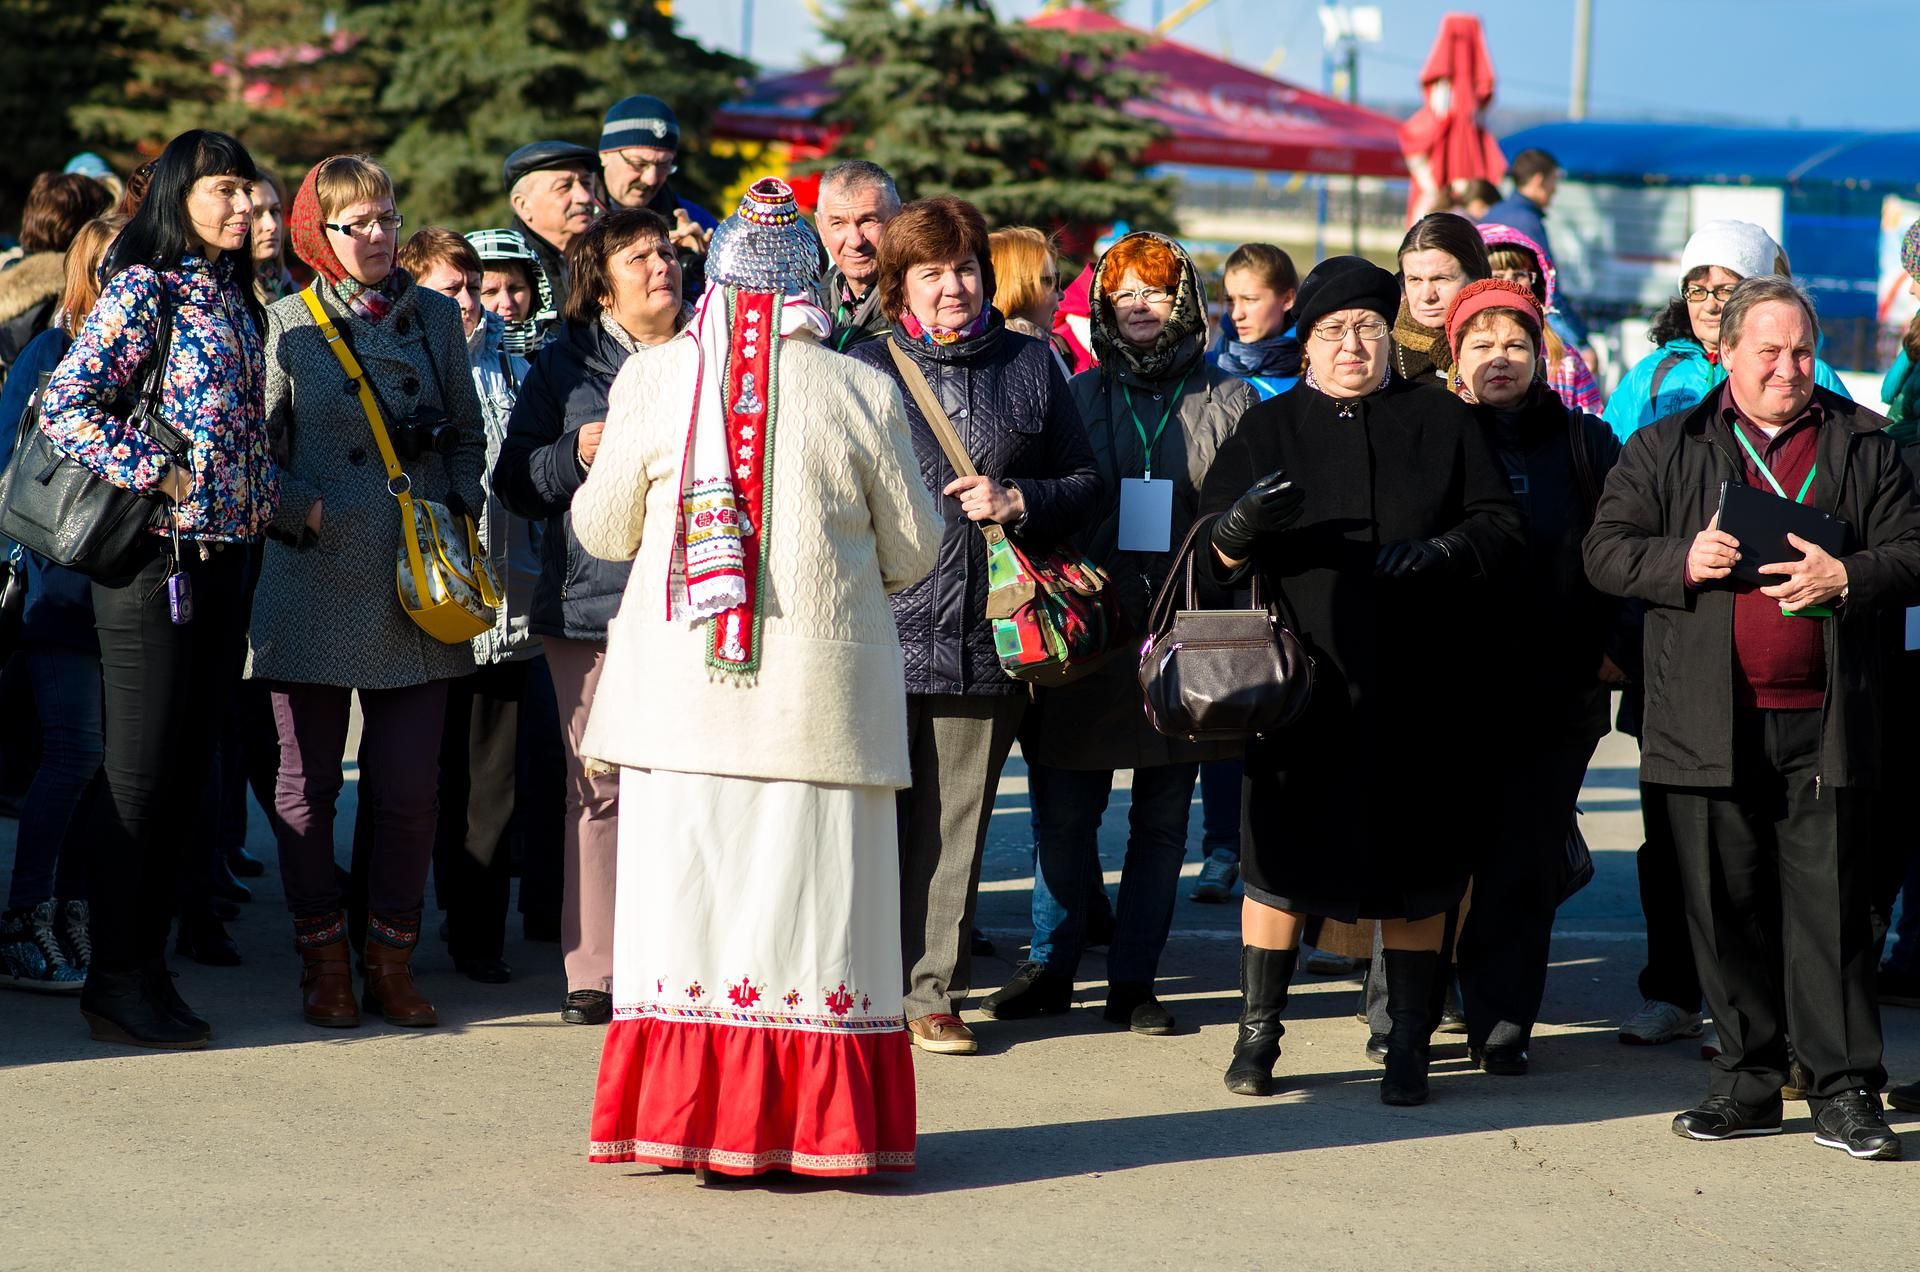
column 1489, row 293
column 306, row 226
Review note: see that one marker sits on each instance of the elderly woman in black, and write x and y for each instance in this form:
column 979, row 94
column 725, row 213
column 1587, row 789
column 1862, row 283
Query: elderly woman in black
column 1377, row 508
column 1010, row 406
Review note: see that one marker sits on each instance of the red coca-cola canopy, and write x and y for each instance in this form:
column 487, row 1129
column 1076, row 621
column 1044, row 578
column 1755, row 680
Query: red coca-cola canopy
column 1217, row 114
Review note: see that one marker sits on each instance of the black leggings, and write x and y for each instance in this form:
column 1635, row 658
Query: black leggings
column 164, row 690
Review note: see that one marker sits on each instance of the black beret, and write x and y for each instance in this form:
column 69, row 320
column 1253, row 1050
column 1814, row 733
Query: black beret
column 548, row 154
column 1345, row 282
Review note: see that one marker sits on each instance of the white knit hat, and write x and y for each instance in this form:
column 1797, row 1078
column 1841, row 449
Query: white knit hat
column 1739, row 246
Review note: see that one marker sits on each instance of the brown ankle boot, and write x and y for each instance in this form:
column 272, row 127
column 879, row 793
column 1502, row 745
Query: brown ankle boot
column 326, row 977
column 389, row 958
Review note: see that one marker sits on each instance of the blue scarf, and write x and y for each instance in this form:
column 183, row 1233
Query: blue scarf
column 1276, row 356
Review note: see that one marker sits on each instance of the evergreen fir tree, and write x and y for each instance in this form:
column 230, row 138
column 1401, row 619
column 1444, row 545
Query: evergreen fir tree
column 278, row 74
column 52, row 54
column 469, row 81
column 1025, row 122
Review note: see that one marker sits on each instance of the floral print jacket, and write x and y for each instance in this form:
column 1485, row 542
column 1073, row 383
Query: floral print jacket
column 214, row 395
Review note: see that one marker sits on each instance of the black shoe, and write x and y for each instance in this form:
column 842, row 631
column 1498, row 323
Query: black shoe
column 226, row 886
column 221, row 908
column 1033, row 991
column 979, row 944
column 1905, row 1097
column 119, row 1008
column 1721, row 1117
column 1376, row 1048
column 1853, row 1122
column 588, row 1007
column 1135, row 1007
column 159, row 980
column 204, row 939
column 1265, row 978
column 488, row 971
column 1414, row 989
column 1799, row 1080
column 1506, row 1058
column 1452, row 1019
column 244, row 864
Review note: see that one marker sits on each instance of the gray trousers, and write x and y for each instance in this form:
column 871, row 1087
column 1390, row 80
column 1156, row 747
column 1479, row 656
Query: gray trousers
column 957, row 746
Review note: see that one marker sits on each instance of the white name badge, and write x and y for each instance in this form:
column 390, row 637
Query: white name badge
column 1913, row 627
column 1146, row 515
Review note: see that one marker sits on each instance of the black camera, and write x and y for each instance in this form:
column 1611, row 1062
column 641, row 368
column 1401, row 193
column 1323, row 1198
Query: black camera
column 421, row 434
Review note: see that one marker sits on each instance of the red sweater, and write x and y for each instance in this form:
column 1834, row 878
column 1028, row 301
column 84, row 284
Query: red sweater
column 1779, row 663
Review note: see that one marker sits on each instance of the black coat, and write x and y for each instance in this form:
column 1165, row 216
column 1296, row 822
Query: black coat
column 1370, row 805
column 538, row 471
column 1662, row 493
column 1006, row 398
column 1557, row 626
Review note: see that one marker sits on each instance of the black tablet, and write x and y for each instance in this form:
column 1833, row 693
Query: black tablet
column 1761, row 521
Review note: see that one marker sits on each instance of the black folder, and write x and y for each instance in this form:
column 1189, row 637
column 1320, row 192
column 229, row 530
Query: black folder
column 1761, row 521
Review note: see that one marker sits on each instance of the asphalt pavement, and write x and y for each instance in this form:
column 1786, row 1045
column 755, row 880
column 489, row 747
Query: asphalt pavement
column 1066, row 1143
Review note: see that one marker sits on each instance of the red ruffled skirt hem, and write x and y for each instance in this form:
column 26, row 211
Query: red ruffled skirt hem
column 742, row 1100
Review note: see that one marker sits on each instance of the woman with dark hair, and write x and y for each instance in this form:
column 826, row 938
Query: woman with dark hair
column 164, row 666
column 1156, row 415
column 1441, row 254
column 1034, row 475
column 57, row 206
column 269, row 243
column 624, row 297
column 1378, row 510
column 1552, row 648
column 332, row 551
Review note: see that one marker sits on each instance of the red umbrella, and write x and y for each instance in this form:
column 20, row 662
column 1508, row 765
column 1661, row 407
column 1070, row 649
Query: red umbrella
column 1447, row 138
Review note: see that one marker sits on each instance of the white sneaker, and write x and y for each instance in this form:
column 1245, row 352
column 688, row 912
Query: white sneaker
column 1218, row 874
column 1657, row 1022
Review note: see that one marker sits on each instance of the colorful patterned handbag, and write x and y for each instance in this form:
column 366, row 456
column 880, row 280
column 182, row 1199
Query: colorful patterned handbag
column 1054, row 615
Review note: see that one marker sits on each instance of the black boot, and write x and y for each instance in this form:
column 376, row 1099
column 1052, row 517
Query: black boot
column 120, row 1008
column 159, row 980
column 1414, row 1006
column 1265, row 976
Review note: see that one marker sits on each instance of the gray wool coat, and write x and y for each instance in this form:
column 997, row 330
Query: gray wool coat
column 326, row 610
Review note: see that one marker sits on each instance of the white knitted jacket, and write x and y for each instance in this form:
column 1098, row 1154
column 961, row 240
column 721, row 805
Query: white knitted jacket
column 851, row 521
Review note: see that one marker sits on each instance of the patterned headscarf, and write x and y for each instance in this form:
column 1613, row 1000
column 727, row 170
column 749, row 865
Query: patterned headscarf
column 1910, row 250
column 1179, row 344
column 306, row 226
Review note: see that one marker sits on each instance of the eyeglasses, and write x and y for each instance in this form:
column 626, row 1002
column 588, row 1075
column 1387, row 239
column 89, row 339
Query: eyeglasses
column 633, row 160
column 389, row 223
column 1525, row 277
column 1145, row 296
column 1696, row 293
column 1368, row 330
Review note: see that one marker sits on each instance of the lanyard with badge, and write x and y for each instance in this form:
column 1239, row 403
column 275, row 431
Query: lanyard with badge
column 1740, row 435
column 1146, row 503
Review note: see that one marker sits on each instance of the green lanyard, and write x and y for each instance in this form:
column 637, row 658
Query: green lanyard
column 1173, row 400
column 1740, row 435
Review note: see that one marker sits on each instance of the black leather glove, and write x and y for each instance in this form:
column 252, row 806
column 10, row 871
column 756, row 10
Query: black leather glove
column 457, row 506
column 1273, row 503
column 1404, row 558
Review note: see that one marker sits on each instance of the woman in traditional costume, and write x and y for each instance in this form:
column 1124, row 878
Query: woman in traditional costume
column 753, row 699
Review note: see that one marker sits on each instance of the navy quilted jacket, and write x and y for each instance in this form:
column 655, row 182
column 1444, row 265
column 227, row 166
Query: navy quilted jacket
column 1008, row 401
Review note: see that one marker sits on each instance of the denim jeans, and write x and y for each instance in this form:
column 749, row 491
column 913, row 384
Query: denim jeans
column 66, row 697
column 1067, row 807
column 1904, row 955
column 1220, row 807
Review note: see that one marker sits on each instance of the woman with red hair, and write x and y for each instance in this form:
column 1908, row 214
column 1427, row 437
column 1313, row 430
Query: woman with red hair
column 1156, row 413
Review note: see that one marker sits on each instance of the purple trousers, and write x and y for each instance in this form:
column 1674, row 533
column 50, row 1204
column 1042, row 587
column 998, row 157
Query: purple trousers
column 399, row 787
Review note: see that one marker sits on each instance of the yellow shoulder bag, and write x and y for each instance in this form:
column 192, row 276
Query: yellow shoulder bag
column 443, row 579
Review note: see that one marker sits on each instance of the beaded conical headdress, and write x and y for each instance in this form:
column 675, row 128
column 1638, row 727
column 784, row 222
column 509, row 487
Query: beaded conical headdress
column 766, row 245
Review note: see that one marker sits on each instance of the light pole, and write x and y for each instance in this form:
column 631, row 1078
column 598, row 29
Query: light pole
column 1582, row 58
column 1344, row 27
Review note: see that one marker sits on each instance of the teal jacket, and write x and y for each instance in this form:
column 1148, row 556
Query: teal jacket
column 1901, row 392
column 1674, row 378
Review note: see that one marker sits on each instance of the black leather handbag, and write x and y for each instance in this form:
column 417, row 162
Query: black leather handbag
column 1219, row 675
column 53, row 504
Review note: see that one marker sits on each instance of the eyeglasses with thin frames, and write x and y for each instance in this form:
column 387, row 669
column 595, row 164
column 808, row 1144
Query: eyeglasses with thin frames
column 363, row 230
column 1144, row 296
column 1369, row 330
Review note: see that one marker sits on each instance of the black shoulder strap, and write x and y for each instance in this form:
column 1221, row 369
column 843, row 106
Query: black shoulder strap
column 1584, row 479
column 1660, row 373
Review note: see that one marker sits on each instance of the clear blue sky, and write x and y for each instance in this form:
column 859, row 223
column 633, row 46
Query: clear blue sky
column 1833, row 63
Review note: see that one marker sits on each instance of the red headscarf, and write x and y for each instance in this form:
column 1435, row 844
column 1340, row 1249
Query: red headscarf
column 307, row 226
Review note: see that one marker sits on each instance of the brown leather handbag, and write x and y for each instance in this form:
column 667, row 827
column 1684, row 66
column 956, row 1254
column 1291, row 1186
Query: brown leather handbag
column 1219, row 675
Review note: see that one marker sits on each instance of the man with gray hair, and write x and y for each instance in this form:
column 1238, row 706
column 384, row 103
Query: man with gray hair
column 550, row 184
column 1764, row 709
column 857, row 199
